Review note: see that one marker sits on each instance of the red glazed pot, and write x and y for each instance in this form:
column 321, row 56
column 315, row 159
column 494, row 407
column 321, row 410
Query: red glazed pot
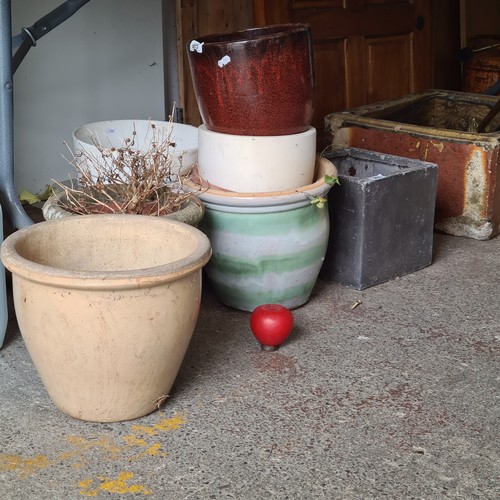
column 258, row 81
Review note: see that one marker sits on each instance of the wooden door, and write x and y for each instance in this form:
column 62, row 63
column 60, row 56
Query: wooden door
column 364, row 50
column 203, row 17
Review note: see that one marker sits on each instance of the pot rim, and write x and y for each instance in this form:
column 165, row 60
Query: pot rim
column 184, row 152
column 193, row 204
column 250, row 35
column 130, row 278
column 88, row 127
column 301, row 195
column 310, row 130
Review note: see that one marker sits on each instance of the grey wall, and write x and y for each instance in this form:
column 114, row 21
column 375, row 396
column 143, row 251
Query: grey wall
column 103, row 63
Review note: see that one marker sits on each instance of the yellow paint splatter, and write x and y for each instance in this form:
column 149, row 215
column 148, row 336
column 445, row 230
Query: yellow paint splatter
column 133, row 440
column 167, row 424
column 103, row 443
column 152, row 451
column 119, row 485
column 138, row 439
column 23, row 466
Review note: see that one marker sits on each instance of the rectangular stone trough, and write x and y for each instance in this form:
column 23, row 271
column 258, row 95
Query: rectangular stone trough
column 438, row 126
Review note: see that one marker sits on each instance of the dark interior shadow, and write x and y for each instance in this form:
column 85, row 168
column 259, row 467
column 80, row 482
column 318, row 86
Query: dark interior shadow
column 218, row 328
column 12, row 329
column 439, row 245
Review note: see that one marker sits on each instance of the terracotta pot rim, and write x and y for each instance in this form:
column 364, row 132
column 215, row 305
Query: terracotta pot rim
column 123, row 279
column 323, row 167
column 230, row 201
column 252, row 35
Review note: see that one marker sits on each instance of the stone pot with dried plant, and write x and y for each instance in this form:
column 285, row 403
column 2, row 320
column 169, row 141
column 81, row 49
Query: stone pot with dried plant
column 126, row 180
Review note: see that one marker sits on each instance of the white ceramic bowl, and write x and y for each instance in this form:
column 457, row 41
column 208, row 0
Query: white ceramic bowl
column 247, row 163
column 112, row 133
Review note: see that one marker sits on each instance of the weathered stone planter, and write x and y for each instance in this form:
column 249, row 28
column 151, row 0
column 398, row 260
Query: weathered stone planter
column 382, row 217
column 190, row 214
column 107, row 305
column 436, row 126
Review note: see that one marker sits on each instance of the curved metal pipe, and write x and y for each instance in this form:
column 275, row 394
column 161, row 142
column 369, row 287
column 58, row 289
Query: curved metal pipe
column 43, row 26
column 8, row 195
column 8, row 65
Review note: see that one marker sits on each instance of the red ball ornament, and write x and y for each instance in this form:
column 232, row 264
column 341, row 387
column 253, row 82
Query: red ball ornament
column 271, row 325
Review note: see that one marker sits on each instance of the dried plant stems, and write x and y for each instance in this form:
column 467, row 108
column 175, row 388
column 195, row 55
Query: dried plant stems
column 127, row 179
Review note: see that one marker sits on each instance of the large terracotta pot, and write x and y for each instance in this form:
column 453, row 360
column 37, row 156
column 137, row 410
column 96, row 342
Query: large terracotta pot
column 107, row 306
column 267, row 247
column 258, row 81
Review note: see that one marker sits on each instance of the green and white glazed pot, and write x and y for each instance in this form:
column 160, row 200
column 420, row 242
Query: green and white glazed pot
column 267, row 247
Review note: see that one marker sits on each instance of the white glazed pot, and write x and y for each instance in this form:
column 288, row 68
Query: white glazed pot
column 246, row 163
column 267, row 247
column 107, row 306
column 112, row 133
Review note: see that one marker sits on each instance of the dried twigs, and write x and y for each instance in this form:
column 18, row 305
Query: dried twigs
column 127, row 180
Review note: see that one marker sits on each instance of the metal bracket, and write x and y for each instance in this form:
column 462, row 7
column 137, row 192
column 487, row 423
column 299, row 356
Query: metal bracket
column 8, row 66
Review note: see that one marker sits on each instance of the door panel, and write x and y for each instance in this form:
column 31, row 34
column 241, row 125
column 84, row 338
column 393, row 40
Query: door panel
column 388, row 67
column 364, row 50
column 202, row 17
column 330, row 68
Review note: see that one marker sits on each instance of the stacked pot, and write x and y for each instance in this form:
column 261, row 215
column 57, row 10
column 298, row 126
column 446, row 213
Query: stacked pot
column 257, row 163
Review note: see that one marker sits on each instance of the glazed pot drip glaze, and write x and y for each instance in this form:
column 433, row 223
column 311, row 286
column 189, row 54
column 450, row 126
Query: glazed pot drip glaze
column 258, row 81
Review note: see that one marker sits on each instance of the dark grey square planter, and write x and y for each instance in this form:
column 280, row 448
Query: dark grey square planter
column 381, row 217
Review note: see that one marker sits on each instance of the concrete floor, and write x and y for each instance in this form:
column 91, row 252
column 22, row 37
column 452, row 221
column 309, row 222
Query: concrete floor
column 397, row 398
